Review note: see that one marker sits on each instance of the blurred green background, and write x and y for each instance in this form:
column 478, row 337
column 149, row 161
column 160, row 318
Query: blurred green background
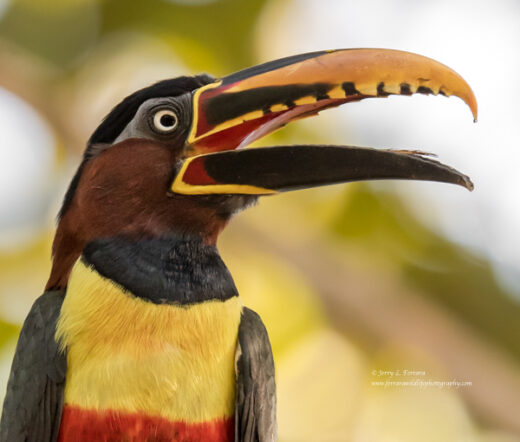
column 356, row 284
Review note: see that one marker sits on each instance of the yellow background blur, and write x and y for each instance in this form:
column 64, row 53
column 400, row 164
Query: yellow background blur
column 359, row 285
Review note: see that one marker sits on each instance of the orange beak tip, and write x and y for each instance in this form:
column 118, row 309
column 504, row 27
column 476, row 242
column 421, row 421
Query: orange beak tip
column 244, row 106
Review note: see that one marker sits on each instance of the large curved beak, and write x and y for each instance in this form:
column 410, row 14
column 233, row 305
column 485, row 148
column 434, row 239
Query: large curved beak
column 240, row 108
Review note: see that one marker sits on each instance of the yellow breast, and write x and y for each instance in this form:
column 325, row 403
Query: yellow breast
column 132, row 355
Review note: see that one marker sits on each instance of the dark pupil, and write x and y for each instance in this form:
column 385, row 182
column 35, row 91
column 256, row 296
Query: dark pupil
column 167, row 121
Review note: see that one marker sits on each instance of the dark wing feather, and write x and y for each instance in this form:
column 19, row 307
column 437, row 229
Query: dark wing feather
column 255, row 406
column 34, row 398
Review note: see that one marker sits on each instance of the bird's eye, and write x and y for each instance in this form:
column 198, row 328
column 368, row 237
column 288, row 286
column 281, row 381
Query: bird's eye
column 165, row 121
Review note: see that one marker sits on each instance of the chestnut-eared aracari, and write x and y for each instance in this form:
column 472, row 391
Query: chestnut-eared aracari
column 140, row 334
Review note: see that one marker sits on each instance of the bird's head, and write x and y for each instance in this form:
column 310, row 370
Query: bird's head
column 168, row 160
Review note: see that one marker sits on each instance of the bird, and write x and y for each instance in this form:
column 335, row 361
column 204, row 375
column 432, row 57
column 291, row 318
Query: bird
column 140, row 334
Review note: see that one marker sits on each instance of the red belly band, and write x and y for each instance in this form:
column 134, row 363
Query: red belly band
column 80, row 425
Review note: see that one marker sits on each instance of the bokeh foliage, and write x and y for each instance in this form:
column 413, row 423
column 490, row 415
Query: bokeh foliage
column 444, row 271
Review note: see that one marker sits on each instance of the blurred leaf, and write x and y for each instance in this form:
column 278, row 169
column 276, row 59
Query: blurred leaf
column 7, row 332
column 225, row 27
column 59, row 32
column 23, row 273
column 196, row 55
column 320, row 388
column 401, row 414
column 289, row 309
column 453, row 276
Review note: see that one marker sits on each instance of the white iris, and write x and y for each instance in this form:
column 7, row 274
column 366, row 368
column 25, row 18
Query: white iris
column 165, row 120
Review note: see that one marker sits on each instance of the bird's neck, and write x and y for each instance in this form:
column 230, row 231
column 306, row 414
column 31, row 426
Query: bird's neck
column 76, row 230
column 163, row 270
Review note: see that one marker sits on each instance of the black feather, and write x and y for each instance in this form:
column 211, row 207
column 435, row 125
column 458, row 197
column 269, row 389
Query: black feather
column 122, row 114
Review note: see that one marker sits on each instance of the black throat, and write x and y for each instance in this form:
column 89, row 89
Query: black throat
column 163, row 270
